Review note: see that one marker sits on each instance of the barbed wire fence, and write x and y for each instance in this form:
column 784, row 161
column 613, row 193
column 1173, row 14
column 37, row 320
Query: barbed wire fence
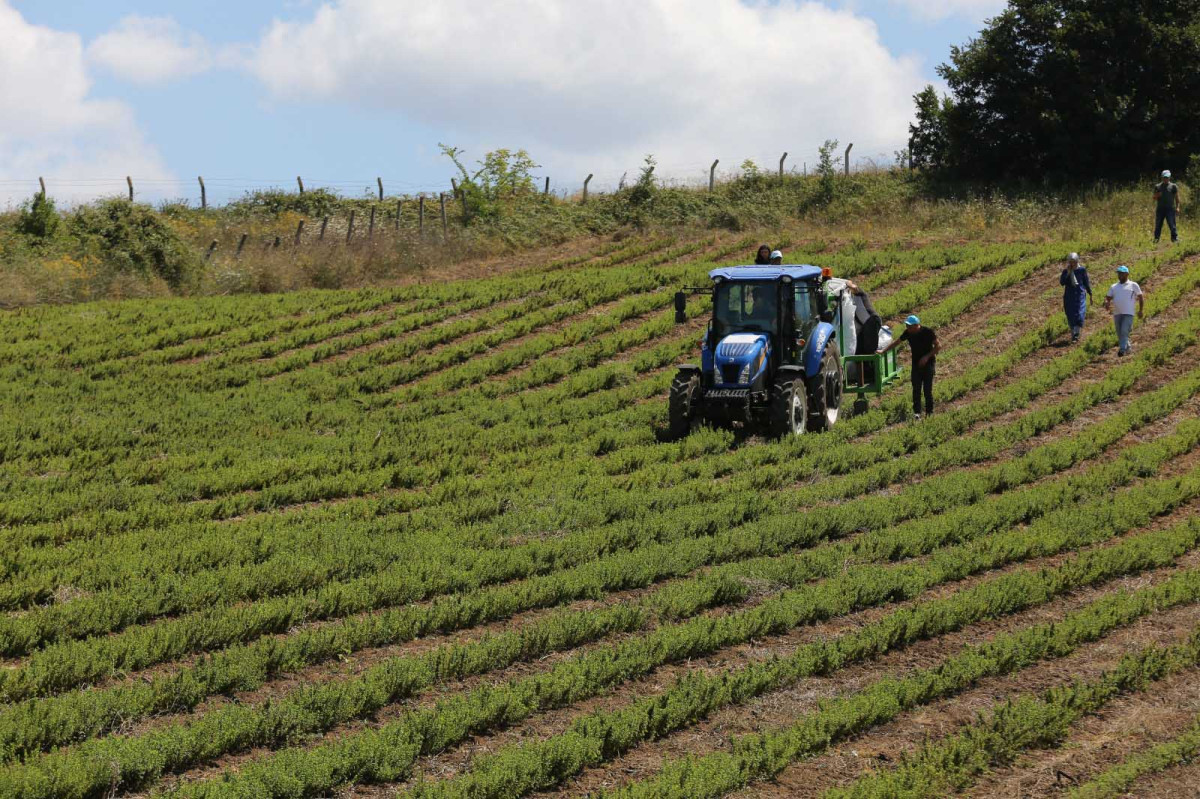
column 425, row 209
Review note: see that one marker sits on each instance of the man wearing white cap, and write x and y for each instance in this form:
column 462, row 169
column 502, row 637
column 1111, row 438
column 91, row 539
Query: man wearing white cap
column 776, row 257
column 924, row 345
column 1122, row 298
column 1166, row 194
column 1077, row 291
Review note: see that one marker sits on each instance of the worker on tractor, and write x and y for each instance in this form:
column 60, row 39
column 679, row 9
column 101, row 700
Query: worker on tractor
column 1077, row 293
column 867, row 323
column 759, row 308
column 923, row 343
column 763, row 256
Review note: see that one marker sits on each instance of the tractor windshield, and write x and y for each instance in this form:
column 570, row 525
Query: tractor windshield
column 746, row 306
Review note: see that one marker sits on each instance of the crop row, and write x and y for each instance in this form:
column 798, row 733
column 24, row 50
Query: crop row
column 40, row 724
column 760, row 756
column 109, row 612
column 387, row 753
column 130, row 329
column 116, row 608
column 385, row 476
column 1115, row 781
column 1016, row 725
column 593, row 353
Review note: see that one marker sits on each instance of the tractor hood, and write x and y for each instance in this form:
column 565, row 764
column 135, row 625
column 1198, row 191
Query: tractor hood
column 741, row 358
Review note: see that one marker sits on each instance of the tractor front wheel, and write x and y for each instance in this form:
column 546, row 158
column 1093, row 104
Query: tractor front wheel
column 681, row 407
column 789, row 407
column 825, row 390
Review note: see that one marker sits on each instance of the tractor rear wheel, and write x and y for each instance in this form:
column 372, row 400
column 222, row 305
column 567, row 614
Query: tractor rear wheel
column 789, row 407
column 681, row 407
column 825, row 390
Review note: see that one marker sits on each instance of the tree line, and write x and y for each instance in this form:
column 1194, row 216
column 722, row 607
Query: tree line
column 1063, row 90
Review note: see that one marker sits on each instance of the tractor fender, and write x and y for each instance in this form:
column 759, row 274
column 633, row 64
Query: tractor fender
column 816, row 347
column 789, row 369
column 687, row 369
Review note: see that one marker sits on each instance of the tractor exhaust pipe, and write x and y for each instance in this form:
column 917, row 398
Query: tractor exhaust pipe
column 680, row 308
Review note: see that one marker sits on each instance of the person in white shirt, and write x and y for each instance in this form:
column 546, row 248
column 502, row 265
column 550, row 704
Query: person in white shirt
column 1122, row 298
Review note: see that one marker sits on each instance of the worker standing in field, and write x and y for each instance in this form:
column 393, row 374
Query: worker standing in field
column 1166, row 196
column 867, row 324
column 923, row 343
column 1122, row 298
column 1077, row 292
column 776, row 258
column 763, row 256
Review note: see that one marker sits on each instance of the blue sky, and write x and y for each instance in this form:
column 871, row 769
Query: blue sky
column 395, row 79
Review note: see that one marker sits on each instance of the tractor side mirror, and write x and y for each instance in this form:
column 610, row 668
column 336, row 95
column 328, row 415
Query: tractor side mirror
column 680, row 307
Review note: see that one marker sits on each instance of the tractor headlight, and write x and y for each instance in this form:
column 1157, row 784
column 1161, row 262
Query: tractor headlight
column 744, row 377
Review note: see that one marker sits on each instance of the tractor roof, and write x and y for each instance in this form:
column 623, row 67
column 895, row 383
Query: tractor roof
column 794, row 271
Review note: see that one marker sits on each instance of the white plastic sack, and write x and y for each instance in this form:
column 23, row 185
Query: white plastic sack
column 841, row 303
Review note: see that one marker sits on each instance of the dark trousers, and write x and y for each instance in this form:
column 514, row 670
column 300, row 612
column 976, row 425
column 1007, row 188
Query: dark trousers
column 1167, row 214
column 922, row 383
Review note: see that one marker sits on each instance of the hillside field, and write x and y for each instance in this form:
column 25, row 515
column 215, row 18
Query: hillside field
column 431, row 540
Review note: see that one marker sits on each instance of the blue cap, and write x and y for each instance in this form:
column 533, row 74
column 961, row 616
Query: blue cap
column 913, row 319
column 1124, row 270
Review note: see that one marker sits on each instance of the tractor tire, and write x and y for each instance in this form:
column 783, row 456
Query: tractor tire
column 789, row 407
column 825, row 391
column 681, row 407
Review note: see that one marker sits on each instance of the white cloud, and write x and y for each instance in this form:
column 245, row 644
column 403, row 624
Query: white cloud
column 51, row 125
column 151, row 51
column 596, row 86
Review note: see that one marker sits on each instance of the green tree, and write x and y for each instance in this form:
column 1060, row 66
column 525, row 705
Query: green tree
column 1072, row 88
column 826, row 171
column 928, row 141
column 501, row 173
column 38, row 217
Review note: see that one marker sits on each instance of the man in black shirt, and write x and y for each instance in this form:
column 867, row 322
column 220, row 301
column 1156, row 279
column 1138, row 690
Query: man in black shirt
column 924, row 345
column 1166, row 197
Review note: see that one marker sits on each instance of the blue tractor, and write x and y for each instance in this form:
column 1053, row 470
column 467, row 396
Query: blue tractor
column 771, row 359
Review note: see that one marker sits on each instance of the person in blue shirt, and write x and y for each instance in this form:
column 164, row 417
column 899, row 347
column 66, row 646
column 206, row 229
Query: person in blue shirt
column 1077, row 291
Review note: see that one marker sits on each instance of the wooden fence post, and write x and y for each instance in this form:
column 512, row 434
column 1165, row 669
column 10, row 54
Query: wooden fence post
column 586, row 181
column 782, row 158
column 421, row 215
column 445, row 228
column 241, row 245
column 399, row 208
column 211, row 249
column 300, row 183
column 299, row 233
column 350, row 227
column 712, row 174
column 547, row 189
column 129, row 180
column 380, row 182
column 371, row 225
column 42, row 183
column 849, row 147
column 324, row 224
column 203, row 195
